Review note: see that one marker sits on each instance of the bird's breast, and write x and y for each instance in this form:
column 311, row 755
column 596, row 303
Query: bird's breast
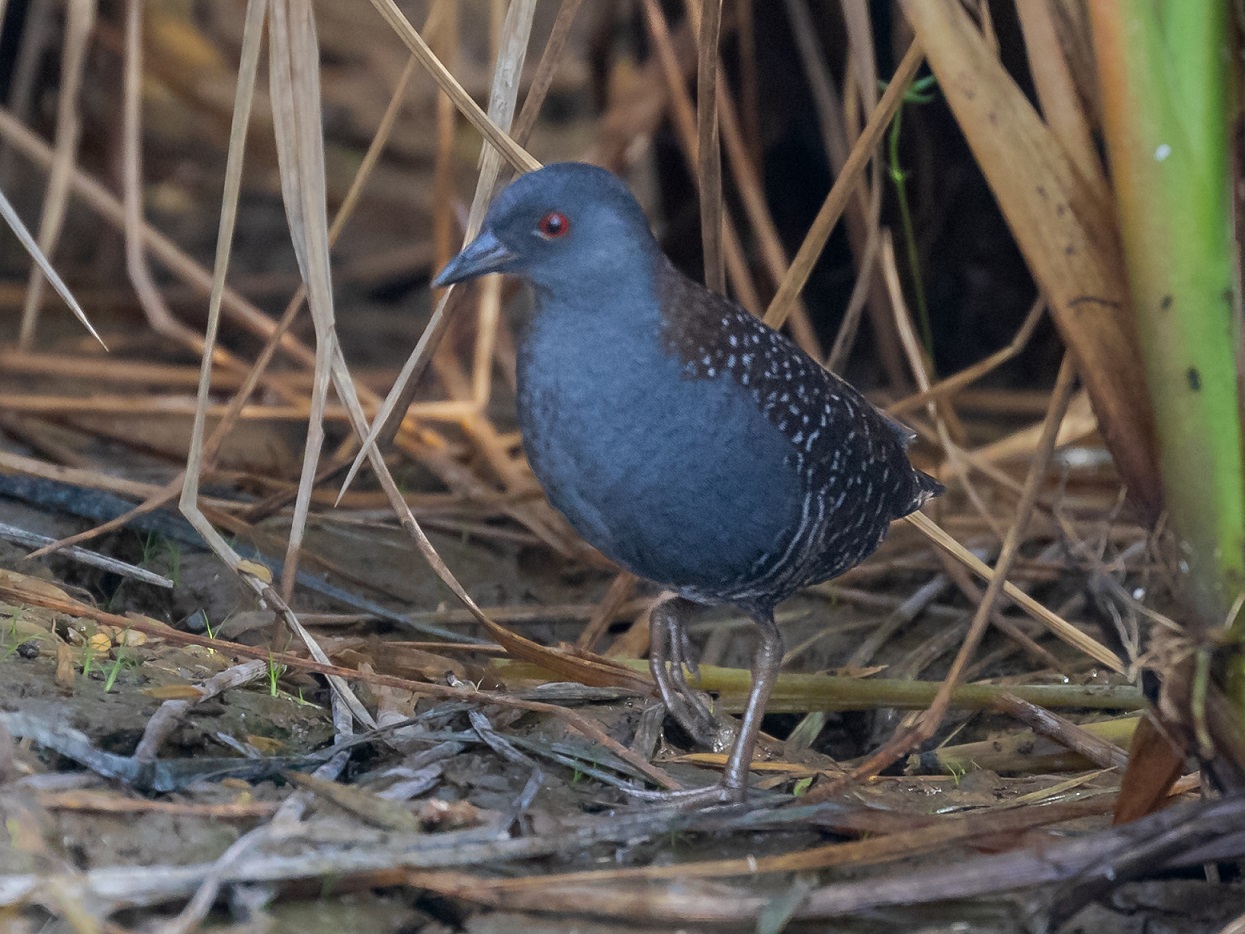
column 681, row 480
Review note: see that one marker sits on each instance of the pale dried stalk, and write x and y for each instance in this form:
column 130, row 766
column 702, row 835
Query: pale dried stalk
column 752, row 196
column 244, row 96
column 976, row 371
column 161, row 247
column 515, row 154
column 832, row 208
column 940, row 411
column 149, row 297
column 683, row 114
column 24, row 237
column 294, row 76
column 501, row 105
column 709, row 152
column 250, row 574
column 80, row 20
column 1056, row 91
column 863, row 213
column 1060, row 397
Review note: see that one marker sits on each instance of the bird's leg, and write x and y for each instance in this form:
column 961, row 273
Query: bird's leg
column 733, row 786
column 668, row 653
column 766, row 660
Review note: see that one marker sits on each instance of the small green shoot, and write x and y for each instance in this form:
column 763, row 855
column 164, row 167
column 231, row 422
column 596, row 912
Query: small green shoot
column 114, row 670
column 18, row 613
column 275, row 672
column 173, row 556
column 921, row 92
column 957, row 771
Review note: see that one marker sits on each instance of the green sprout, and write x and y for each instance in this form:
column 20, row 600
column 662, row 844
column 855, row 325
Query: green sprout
column 921, row 92
column 114, row 670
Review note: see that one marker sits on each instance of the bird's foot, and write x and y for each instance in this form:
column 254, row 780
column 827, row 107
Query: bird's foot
column 672, row 659
column 691, row 799
column 693, row 714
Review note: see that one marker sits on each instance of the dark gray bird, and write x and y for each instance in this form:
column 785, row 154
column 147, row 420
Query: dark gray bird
column 679, row 435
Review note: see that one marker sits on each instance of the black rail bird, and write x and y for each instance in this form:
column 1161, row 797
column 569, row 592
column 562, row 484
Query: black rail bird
column 678, row 434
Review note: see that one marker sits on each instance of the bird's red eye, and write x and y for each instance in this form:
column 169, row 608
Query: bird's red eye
column 553, row 225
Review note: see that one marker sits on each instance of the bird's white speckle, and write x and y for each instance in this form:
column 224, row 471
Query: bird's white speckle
column 1162, row 152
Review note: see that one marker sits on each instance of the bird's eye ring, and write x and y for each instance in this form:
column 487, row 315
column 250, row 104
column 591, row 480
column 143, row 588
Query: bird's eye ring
column 554, row 225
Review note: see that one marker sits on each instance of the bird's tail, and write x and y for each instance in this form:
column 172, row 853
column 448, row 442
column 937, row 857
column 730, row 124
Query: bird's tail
column 924, row 489
column 928, row 487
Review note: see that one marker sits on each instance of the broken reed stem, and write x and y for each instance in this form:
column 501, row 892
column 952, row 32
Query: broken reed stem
column 709, row 152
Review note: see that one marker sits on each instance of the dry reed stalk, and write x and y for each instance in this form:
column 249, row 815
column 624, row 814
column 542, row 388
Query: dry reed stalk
column 10, row 217
column 497, row 138
column 841, row 191
column 905, row 740
column 708, row 148
column 79, row 22
column 100, row 200
column 839, row 132
column 951, row 385
column 1063, row 225
column 1102, row 753
column 1056, row 90
column 159, row 318
column 899, row 844
column 940, row 410
column 752, row 196
column 683, row 115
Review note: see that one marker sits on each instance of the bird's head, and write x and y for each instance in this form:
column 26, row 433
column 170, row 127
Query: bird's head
column 560, row 224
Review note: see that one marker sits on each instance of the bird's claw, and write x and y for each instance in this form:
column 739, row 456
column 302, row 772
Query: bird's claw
column 690, row 712
column 672, row 657
column 691, row 799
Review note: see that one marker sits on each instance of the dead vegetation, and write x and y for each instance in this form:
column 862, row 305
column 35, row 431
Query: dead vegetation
column 288, row 633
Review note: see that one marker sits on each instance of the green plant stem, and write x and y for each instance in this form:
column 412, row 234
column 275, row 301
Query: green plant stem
column 1163, row 72
column 794, row 693
column 900, row 179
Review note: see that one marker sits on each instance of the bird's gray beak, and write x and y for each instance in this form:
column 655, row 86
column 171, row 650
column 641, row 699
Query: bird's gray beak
column 482, row 255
